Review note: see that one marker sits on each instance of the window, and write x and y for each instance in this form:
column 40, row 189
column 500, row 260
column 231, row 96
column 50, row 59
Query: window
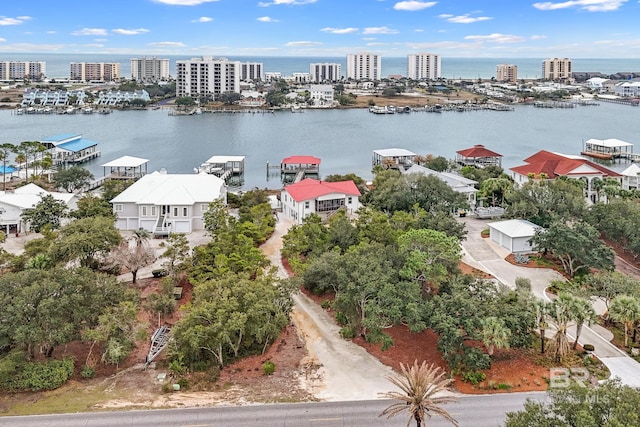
column 143, row 211
column 306, row 204
column 175, row 212
column 204, row 208
column 349, row 200
column 117, row 208
column 153, row 210
column 184, row 211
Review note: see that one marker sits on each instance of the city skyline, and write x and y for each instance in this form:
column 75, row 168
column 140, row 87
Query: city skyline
column 478, row 28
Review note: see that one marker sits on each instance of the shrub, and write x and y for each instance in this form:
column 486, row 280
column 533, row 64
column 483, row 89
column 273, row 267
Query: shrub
column 183, row 383
column 474, row 359
column 325, row 304
column 87, row 372
column 268, row 368
column 588, row 347
column 348, row 332
column 341, row 319
column 40, row 376
column 473, row 377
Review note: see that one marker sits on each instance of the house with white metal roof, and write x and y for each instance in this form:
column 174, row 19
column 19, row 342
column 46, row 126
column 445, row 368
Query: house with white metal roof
column 164, row 203
column 513, row 234
column 14, row 203
column 394, row 158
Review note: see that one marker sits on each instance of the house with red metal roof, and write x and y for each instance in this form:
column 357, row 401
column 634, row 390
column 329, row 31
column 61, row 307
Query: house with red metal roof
column 478, row 156
column 547, row 165
column 295, row 164
column 323, row 198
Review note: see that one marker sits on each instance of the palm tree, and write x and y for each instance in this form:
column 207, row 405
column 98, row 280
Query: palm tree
column 494, row 334
column 419, row 386
column 141, row 236
column 625, row 309
column 542, row 316
column 5, row 150
column 560, row 311
column 583, row 312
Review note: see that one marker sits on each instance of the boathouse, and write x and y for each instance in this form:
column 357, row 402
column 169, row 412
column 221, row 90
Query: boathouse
column 608, row 149
column 393, row 158
column 223, row 166
column 295, row 164
column 311, row 196
column 478, row 156
column 70, row 149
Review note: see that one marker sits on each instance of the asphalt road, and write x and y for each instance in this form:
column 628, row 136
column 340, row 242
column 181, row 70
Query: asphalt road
column 476, row 411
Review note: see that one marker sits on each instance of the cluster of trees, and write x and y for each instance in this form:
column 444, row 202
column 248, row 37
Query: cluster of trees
column 239, row 306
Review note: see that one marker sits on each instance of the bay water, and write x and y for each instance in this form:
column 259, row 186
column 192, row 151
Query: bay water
column 343, row 139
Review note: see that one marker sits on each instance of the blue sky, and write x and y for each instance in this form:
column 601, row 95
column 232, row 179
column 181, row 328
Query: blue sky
column 454, row 28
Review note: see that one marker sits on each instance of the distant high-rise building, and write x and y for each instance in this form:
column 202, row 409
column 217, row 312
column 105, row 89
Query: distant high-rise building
column 423, row 66
column 251, row 71
column 364, row 66
column 556, row 68
column 507, row 73
column 149, row 69
column 19, row 70
column 98, row 71
column 325, row 72
column 207, row 76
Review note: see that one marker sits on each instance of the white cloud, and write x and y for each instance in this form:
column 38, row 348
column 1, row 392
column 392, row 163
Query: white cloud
column 418, row 30
column 267, row 19
column 168, row 44
column 497, row 38
column 2, row 40
column 379, row 30
column 464, row 19
column 285, row 2
column 588, row 5
column 131, row 32
column 203, row 19
column 4, row 21
column 412, row 6
column 90, row 32
column 184, row 2
column 51, row 32
column 538, row 37
column 339, row 30
column 302, row 44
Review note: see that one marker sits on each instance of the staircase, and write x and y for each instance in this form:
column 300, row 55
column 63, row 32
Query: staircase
column 161, row 229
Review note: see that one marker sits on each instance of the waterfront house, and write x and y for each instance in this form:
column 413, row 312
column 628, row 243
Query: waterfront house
column 456, row 182
column 164, row 203
column 478, row 156
column 628, row 89
column 548, row 165
column 393, row 158
column 321, row 95
column 631, row 177
column 252, row 98
column 514, row 235
column 69, row 149
column 14, row 203
column 323, row 198
column 52, row 98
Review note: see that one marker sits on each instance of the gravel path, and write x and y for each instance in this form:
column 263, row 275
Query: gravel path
column 345, row 371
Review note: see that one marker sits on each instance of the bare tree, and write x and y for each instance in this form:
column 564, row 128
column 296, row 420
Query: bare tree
column 131, row 258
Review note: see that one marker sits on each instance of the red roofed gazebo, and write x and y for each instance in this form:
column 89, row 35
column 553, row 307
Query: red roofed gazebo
column 295, row 164
column 478, row 156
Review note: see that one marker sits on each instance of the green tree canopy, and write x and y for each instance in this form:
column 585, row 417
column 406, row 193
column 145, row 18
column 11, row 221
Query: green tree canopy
column 48, row 212
column 85, row 238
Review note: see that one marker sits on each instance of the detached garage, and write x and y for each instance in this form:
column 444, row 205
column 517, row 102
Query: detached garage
column 513, row 234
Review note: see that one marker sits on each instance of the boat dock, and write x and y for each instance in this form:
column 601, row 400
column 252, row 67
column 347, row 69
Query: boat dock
column 609, row 149
column 228, row 168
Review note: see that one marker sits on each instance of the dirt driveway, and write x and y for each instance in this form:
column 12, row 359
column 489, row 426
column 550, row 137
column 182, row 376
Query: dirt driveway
column 342, row 370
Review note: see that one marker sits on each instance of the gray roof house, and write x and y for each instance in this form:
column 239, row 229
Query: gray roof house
column 514, row 234
column 165, row 203
column 456, row 182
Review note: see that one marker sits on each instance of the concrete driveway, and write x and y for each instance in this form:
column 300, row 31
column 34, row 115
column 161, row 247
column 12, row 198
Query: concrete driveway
column 488, row 256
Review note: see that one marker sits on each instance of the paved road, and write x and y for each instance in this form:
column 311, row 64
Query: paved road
column 476, row 411
column 488, row 256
